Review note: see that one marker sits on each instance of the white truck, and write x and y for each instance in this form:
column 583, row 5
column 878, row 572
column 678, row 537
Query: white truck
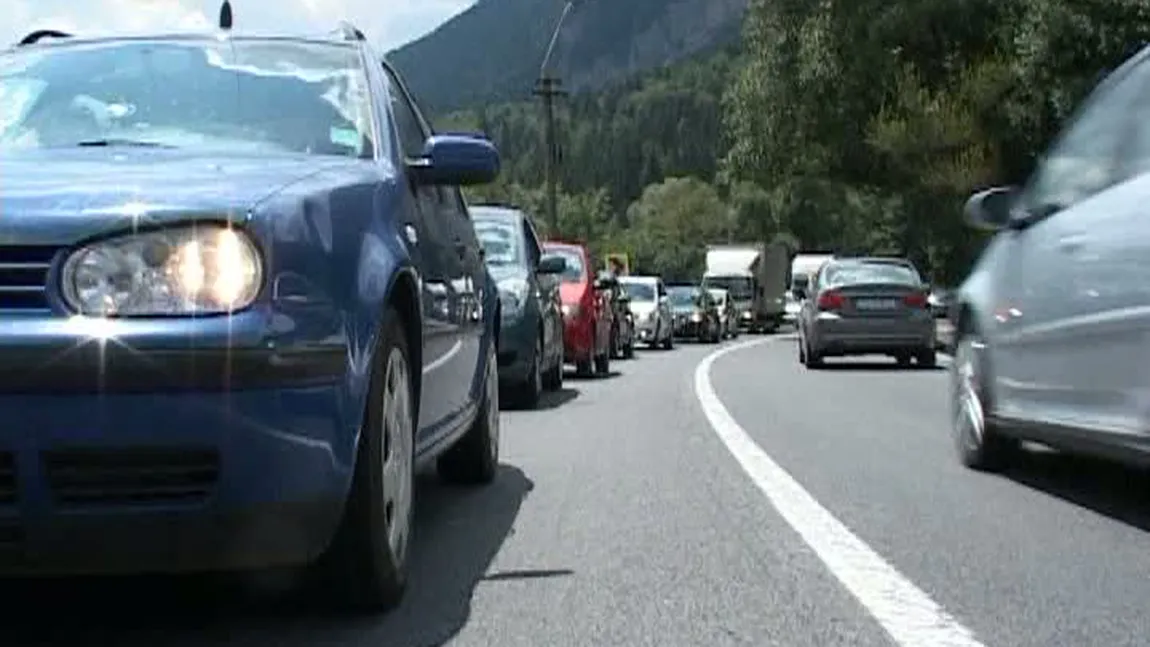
column 803, row 265
column 755, row 275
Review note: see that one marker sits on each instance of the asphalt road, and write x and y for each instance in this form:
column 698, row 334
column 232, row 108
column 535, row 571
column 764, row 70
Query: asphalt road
column 811, row 509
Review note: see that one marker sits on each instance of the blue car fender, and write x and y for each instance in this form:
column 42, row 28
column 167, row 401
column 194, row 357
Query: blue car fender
column 337, row 258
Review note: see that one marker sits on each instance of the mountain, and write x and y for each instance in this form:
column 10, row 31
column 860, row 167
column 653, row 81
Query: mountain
column 492, row 51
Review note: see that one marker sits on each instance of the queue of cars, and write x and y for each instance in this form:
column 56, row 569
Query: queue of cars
column 557, row 310
column 240, row 314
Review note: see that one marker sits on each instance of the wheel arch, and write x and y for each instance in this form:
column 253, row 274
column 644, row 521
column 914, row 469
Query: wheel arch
column 403, row 296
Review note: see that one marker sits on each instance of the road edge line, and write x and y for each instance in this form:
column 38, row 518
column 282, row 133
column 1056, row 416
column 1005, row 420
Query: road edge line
column 907, row 614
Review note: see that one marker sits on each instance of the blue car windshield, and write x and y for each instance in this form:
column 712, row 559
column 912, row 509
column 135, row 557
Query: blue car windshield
column 229, row 95
column 502, row 241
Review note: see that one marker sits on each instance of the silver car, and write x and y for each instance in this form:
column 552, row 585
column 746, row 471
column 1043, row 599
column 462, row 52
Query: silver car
column 1052, row 322
column 653, row 323
column 866, row 306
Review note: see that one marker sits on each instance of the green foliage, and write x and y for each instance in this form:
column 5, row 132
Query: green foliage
column 871, row 121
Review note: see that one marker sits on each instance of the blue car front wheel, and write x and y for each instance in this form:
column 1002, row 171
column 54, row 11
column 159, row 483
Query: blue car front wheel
column 365, row 567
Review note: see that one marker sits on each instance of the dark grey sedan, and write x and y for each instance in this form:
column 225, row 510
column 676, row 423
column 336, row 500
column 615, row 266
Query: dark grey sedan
column 531, row 327
column 866, row 306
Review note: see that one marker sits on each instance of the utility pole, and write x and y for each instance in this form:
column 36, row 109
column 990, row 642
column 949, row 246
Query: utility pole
column 549, row 88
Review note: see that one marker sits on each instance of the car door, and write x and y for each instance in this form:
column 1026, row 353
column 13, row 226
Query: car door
column 1113, row 302
column 471, row 284
column 1066, row 342
column 546, row 291
column 430, row 237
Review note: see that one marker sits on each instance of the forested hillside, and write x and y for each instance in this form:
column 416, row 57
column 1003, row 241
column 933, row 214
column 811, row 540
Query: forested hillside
column 492, row 51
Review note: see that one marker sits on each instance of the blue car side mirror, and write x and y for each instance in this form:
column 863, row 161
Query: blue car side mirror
column 456, row 160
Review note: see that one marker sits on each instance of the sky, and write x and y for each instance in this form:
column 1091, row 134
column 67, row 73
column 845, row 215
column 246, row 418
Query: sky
column 387, row 23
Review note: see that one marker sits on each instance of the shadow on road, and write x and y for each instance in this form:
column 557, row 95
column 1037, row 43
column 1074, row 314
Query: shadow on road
column 458, row 533
column 611, row 374
column 875, row 366
column 555, row 399
column 1119, row 492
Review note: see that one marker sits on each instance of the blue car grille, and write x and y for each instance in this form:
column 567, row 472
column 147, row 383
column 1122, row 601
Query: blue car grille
column 131, row 476
column 24, row 277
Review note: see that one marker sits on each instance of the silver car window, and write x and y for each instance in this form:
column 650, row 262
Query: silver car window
column 1136, row 149
column 1084, row 159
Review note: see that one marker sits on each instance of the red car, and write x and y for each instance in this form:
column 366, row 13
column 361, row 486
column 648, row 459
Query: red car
column 587, row 312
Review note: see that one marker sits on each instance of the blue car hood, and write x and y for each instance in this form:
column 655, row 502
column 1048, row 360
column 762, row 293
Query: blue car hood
column 62, row 196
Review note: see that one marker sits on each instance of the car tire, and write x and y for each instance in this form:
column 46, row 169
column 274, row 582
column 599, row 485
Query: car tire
column 527, row 393
column 669, row 342
column 364, row 569
column 474, row 459
column 584, row 368
column 980, row 445
column 553, row 378
column 603, row 364
column 629, row 349
column 927, row 358
column 814, row 359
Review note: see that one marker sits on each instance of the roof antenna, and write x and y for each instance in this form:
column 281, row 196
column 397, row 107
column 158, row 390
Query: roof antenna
column 226, row 16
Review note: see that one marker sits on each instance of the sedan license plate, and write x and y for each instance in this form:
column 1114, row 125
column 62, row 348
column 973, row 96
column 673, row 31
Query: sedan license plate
column 876, row 304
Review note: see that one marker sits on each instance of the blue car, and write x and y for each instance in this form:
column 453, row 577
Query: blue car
column 531, row 330
column 241, row 302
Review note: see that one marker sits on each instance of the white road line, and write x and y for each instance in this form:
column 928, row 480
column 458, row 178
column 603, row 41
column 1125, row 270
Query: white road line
column 906, row 612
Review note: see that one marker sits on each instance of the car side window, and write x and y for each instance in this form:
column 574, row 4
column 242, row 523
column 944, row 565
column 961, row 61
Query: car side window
column 1135, row 154
column 1084, row 159
column 531, row 242
column 412, row 131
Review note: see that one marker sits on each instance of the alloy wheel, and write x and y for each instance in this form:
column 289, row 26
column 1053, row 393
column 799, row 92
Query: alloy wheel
column 397, row 446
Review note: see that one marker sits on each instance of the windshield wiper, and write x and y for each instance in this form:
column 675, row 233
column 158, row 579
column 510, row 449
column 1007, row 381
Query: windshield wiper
column 108, row 143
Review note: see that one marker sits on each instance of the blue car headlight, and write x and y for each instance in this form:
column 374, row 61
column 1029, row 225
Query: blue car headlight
column 205, row 269
column 513, row 293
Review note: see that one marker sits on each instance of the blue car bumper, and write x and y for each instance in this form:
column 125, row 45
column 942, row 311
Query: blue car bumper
column 131, row 449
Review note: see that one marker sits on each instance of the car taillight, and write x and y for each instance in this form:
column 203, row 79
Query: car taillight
column 831, row 300
column 916, row 300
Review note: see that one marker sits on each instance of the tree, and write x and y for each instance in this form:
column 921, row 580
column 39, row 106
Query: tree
column 671, row 222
